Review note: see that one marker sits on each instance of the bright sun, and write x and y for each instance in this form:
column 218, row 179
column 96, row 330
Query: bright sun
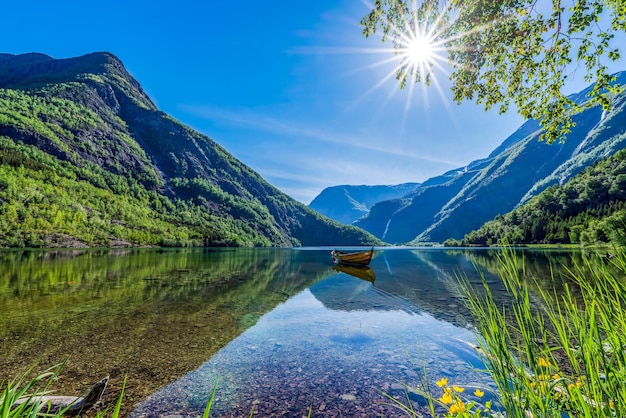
column 419, row 47
column 419, row 51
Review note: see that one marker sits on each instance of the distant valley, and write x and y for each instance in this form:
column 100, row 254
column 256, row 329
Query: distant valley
column 348, row 203
column 462, row 200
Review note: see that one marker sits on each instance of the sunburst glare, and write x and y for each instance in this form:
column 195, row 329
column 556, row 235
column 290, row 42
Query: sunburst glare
column 419, row 45
column 418, row 54
column 420, row 50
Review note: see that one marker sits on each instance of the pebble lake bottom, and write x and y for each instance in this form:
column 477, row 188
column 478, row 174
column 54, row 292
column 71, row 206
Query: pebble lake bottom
column 279, row 331
column 338, row 363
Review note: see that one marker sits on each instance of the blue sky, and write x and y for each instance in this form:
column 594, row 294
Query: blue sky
column 290, row 88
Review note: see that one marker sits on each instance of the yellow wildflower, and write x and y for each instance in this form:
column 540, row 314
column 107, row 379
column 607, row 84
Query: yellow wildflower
column 446, row 399
column 442, row 382
column 479, row 393
column 542, row 362
column 579, row 383
column 458, row 389
column 571, row 386
column 458, row 406
column 556, row 376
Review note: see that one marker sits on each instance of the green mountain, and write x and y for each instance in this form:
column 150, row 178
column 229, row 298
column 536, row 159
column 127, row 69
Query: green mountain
column 461, row 200
column 347, row 203
column 87, row 159
column 589, row 208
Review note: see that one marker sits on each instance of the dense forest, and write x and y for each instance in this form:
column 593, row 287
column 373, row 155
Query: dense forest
column 588, row 209
column 48, row 202
column 87, row 160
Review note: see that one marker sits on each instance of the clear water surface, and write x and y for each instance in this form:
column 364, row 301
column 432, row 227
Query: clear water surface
column 280, row 331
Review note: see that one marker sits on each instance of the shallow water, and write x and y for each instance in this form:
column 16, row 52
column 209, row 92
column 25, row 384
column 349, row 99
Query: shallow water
column 279, row 330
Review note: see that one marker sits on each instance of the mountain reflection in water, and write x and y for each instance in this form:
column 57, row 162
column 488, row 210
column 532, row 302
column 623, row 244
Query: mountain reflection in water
column 336, row 345
column 151, row 315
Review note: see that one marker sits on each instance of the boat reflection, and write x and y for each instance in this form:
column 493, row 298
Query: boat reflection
column 360, row 272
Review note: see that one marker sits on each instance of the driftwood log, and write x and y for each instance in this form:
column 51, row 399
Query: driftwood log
column 67, row 405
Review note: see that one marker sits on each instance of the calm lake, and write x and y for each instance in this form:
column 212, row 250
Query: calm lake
column 280, row 330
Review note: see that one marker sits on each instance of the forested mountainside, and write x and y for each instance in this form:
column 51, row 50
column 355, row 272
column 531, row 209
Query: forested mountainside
column 459, row 201
column 86, row 159
column 588, row 209
column 347, row 203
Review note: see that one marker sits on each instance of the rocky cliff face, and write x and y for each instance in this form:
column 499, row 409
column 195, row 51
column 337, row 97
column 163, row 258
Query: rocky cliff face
column 92, row 117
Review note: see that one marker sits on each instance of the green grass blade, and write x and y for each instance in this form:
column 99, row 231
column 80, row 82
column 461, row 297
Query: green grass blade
column 207, row 410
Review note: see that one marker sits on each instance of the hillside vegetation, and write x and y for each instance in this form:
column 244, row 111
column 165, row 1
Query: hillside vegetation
column 86, row 159
column 588, row 209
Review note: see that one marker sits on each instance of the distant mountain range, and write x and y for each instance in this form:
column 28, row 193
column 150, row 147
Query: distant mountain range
column 87, row 159
column 348, row 203
column 461, row 200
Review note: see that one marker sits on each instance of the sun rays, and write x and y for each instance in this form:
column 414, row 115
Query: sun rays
column 418, row 55
column 413, row 56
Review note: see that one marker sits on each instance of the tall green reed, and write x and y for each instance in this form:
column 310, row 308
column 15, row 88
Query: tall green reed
column 556, row 353
column 551, row 353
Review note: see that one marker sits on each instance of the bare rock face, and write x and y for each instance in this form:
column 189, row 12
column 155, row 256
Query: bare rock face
column 347, row 203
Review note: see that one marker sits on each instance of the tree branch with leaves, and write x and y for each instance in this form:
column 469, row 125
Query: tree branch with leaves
column 519, row 52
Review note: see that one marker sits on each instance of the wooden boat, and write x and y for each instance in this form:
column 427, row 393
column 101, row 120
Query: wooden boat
column 358, row 258
column 360, row 272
